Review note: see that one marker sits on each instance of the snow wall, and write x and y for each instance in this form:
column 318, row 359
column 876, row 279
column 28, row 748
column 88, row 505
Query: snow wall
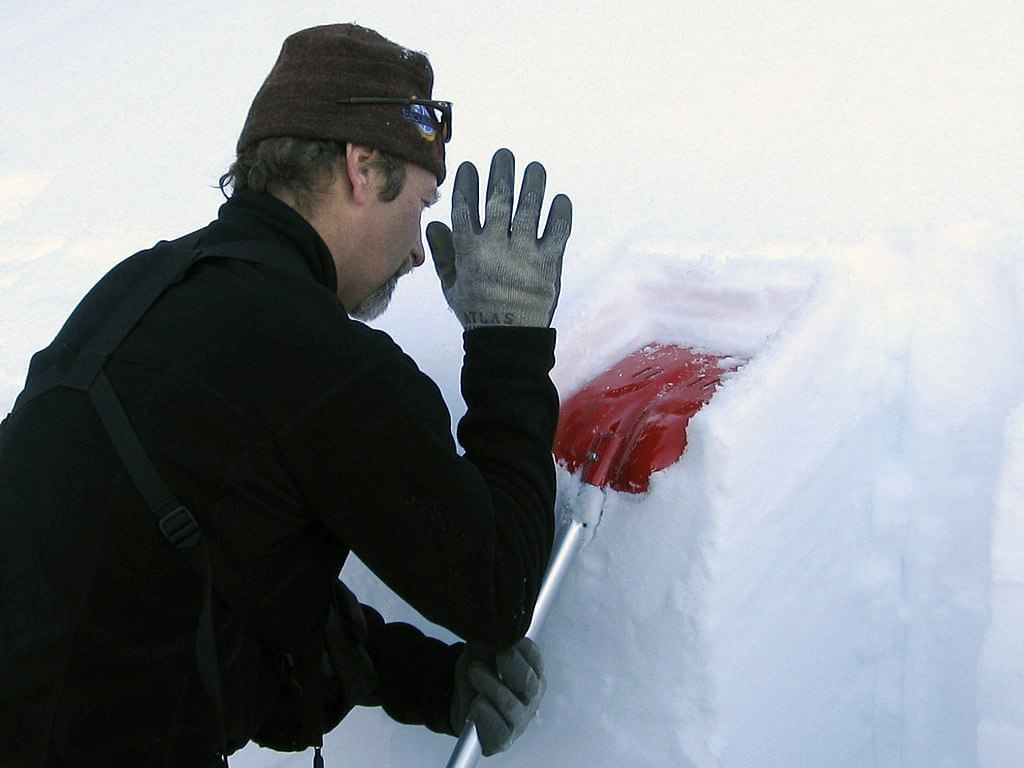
column 833, row 573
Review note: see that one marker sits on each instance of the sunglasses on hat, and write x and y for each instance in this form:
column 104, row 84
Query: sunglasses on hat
column 442, row 110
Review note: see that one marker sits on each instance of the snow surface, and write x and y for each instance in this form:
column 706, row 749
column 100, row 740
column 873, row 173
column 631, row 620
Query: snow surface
column 833, row 574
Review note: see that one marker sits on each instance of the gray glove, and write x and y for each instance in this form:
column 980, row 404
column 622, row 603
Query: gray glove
column 501, row 697
column 501, row 273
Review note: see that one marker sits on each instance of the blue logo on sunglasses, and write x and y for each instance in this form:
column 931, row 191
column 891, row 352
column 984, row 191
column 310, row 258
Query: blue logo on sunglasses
column 420, row 116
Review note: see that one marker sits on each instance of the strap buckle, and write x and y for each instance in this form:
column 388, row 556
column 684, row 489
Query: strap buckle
column 180, row 528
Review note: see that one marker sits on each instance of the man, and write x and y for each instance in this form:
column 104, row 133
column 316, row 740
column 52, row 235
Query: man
column 212, row 433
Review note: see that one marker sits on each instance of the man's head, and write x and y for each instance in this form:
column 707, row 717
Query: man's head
column 344, row 131
column 349, row 84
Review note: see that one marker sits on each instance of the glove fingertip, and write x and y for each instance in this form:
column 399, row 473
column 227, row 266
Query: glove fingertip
column 559, row 224
column 466, row 197
column 503, row 163
column 500, row 184
column 533, row 654
column 436, row 231
column 535, row 178
column 494, row 732
column 442, row 252
column 467, row 176
column 439, row 238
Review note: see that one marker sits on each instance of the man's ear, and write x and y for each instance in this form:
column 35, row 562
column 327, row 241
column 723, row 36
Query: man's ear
column 362, row 176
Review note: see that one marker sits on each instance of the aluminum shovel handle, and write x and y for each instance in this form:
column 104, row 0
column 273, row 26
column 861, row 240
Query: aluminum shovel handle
column 468, row 750
column 578, row 531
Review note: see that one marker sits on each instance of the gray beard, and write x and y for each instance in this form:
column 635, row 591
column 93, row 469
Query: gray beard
column 375, row 304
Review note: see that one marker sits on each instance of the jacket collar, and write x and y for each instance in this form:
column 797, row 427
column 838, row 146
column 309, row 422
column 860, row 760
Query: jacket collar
column 260, row 217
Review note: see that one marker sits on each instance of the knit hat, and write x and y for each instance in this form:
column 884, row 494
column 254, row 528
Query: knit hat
column 319, row 66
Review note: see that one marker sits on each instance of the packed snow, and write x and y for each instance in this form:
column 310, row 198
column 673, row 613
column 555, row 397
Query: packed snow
column 833, row 573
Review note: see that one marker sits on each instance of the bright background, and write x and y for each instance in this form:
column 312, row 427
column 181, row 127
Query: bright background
column 834, row 574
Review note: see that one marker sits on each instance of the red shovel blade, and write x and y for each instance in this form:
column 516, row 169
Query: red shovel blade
column 631, row 420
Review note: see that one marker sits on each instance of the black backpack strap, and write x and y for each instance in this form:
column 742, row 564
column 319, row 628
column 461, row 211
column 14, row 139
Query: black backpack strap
column 158, row 497
column 78, row 362
column 151, row 274
column 176, row 523
column 76, row 356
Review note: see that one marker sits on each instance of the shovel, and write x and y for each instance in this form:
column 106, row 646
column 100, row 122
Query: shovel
column 625, row 424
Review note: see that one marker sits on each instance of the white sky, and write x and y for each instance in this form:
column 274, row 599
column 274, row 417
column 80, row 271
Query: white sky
column 726, row 120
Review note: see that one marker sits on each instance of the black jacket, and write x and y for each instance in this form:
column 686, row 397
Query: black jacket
column 296, row 435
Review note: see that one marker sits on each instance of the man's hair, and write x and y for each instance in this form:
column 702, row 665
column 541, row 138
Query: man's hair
column 303, row 168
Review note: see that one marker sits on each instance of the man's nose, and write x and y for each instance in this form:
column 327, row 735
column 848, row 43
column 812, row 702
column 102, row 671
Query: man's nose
column 417, row 252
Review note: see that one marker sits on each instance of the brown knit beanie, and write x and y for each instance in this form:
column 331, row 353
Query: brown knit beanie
column 319, row 65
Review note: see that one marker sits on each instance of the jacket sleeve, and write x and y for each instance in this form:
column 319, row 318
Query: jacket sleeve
column 415, row 673
column 463, row 539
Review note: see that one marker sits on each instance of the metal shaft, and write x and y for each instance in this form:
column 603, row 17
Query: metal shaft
column 586, row 515
column 468, row 750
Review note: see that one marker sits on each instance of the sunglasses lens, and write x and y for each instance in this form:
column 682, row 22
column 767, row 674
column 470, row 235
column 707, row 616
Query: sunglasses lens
column 443, row 116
